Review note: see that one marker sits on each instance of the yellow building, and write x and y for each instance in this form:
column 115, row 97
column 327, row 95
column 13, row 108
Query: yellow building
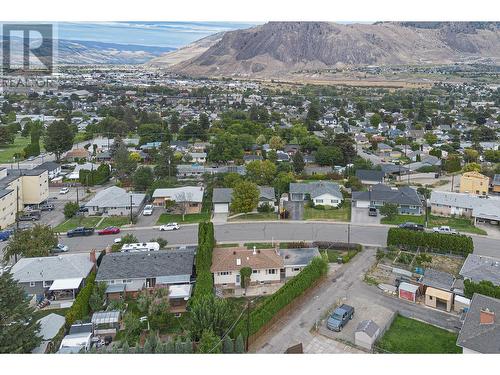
column 474, row 183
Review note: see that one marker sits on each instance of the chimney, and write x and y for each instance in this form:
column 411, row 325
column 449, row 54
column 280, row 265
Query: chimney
column 92, row 256
column 238, row 262
column 486, row 316
column 254, row 250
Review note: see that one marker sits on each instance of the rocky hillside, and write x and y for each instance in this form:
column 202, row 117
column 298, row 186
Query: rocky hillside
column 278, row 49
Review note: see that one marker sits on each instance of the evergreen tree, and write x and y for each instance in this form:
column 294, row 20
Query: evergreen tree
column 298, row 162
column 239, row 346
column 209, row 343
column 228, row 346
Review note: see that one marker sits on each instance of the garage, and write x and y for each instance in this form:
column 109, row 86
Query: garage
column 362, row 204
column 438, row 299
column 408, row 291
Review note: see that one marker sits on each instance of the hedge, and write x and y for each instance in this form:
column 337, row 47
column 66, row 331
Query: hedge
column 206, row 243
column 323, row 245
column 263, row 313
column 486, row 288
column 80, row 308
column 430, row 241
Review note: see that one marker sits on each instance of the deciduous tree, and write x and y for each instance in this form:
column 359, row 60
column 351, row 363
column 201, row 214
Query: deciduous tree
column 245, row 197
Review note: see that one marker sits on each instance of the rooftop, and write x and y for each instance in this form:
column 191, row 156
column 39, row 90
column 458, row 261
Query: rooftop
column 234, row 259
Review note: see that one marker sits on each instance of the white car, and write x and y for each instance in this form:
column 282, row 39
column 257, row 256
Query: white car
column 444, row 229
column 60, row 248
column 117, row 240
column 64, row 190
column 148, row 210
column 169, row 226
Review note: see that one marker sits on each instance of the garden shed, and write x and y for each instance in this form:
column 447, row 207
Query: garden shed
column 408, row 291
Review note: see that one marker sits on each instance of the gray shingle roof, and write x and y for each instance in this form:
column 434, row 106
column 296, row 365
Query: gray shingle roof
column 382, row 193
column 482, row 338
column 370, row 175
column 225, row 195
column 368, row 326
column 478, row 267
column 146, row 264
column 438, row 279
column 115, row 196
column 317, row 188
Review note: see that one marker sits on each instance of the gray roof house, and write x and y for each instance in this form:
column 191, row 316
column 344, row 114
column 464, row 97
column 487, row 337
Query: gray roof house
column 222, row 197
column 479, row 267
column 406, row 198
column 146, row 269
column 462, row 204
column 321, row 193
column 370, row 177
column 480, row 331
column 116, row 201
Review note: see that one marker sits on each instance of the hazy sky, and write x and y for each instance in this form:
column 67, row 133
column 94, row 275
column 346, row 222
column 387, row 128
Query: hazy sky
column 163, row 34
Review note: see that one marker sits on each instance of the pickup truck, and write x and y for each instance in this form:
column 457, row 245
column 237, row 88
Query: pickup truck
column 80, row 231
column 444, row 229
column 340, row 317
column 30, row 215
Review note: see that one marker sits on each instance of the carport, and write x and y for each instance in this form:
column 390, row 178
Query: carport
column 65, row 289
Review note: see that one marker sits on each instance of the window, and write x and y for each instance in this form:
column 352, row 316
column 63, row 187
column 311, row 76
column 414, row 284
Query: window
column 296, row 269
column 319, row 200
column 32, row 283
column 224, row 273
column 255, row 271
column 271, row 271
column 47, row 284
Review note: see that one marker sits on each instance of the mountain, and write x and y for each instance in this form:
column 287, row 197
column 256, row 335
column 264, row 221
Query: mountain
column 278, row 49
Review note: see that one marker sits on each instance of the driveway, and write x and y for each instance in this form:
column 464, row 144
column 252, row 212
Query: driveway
column 295, row 210
column 360, row 216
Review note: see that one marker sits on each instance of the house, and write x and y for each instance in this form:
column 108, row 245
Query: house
column 198, row 157
column 50, row 325
column 370, row 177
column 495, row 184
column 190, row 196
column 227, row 263
column 477, row 268
column 282, row 156
column 222, row 198
column 438, row 286
column 116, row 201
column 320, row 192
column 474, row 183
column 56, row 278
column 150, row 146
column 393, row 169
column 249, row 158
column 311, row 170
column 53, row 169
column 126, row 274
column 103, row 157
column 366, row 334
column 480, row 331
column 75, row 174
column 77, row 154
column 295, row 260
column 406, row 198
column 187, row 171
column 384, row 150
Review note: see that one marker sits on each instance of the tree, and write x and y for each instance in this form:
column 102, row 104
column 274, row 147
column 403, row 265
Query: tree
column 261, row 139
column 165, row 162
column 70, row 209
column 239, row 345
column 124, row 165
column 375, row 120
column 209, row 312
column 282, row 182
column 346, row 144
column 453, row 163
column 472, row 167
column 209, row 343
column 6, row 136
column 132, row 328
column 97, row 299
column 389, row 210
column 142, row 178
column 58, row 138
column 298, row 162
column 329, row 155
column 261, row 172
column 276, row 143
column 246, row 273
column 227, row 345
column 470, row 155
column 204, row 121
column 430, row 138
column 245, row 197
column 19, row 330
column 354, row 183
column 32, row 242
column 231, row 179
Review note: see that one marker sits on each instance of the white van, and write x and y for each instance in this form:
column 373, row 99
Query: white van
column 140, row 246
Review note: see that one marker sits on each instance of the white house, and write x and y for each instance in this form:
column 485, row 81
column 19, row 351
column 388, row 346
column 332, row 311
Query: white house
column 321, row 193
column 198, row 157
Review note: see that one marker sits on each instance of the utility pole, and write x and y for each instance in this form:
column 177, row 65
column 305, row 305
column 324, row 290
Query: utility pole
column 77, row 200
column 349, row 234
column 131, row 209
column 248, row 325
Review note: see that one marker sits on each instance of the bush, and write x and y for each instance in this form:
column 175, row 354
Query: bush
column 264, row 208
column 206, row 243
column 343, row 246
column 486, row 288
column 429, row 241
column 263, row 313
column 70, row 209
column 80, row 308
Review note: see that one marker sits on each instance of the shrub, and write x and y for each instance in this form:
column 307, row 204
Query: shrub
column 323, row 245
column 486, row 288
column 70, row 209
column 265, row 208
column 429, row 241
column 263, row 313
column 206, row 243
column 80, row 308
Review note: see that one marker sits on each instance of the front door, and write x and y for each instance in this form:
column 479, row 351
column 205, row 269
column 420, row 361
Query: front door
column 238, row 280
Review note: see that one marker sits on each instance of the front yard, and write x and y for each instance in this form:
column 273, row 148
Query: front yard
column 342, row 213
column 78, row 221
column 188, row 218
column 409, row 336
column 256, row 216
column 114, row 221
column 460, row 224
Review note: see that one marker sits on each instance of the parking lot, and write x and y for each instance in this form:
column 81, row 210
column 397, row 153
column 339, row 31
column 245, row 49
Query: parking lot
column 364, row 310
column 360, row 216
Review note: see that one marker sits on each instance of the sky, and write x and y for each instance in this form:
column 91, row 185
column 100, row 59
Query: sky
column 160, row 34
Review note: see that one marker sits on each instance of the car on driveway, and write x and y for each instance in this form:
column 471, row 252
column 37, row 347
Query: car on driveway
column 64, row 190
column 31, row 215
column 412, row 226
column 340, row 318
column 46, row 207
column 169, row 226
column 80, row 231
column 444, row 229
column 60, row 248
column 109, row 230
column 83, row 209
column 148, row 210
column 372, row 211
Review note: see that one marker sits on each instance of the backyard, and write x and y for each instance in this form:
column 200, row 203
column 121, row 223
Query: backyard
column 460, row 224
column 188, row 218
column 342, row 213
column 409, row 336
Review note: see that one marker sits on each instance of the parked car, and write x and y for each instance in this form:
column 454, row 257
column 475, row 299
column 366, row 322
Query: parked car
column 80, row 231
column 444, row 229
column 60, row 248
column 46, row 207
column 340, row 317
column 83, row 209
column 5, row 235
column 30, row 216
column 372, row 211
column 64, row 190
column 169, row 226
column 109, row 230
column 148, row 210
column 412, row 226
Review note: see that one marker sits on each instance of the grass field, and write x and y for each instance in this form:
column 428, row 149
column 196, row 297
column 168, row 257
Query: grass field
column 409, row 336
column 114, row 221
column 189, row 218
column 335, row 214
column 256, row 216
column 7, row 152
column 460, row 224
column 77, row 221
column 39, row 314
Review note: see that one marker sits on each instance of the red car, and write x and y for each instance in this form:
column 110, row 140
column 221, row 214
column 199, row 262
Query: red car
column 109, row 230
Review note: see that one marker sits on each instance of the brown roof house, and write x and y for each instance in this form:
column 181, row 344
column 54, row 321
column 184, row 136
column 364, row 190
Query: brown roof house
column 266, row 265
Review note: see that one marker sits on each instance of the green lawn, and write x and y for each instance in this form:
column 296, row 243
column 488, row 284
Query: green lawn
column 77, row 221
column 409, row 336
column 460, row 224
column 114, row 221
column 189, row 218
column 256, row 216
column 335, row 214
column 7, row 151
column 39, row 314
